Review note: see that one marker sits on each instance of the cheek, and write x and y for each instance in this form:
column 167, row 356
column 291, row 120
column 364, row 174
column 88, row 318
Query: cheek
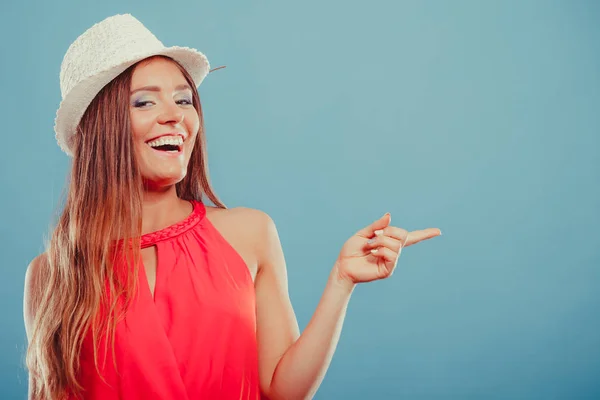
column 140, row 124
column 192, row 122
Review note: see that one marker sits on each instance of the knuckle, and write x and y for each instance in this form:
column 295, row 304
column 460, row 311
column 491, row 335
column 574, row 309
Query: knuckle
column 389, row 254
column 372, row 242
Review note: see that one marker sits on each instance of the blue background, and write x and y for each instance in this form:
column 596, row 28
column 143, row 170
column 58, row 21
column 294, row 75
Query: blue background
column 481, row 118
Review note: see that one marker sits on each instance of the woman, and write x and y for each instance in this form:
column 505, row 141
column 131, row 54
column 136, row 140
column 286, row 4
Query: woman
column 146, row 293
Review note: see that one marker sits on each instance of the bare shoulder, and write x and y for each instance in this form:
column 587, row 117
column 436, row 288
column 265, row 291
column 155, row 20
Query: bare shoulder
column 34, row 272
column 258, row 228
column 33, row 277
column 247, row 214
column 248, row 221
column 245, row 229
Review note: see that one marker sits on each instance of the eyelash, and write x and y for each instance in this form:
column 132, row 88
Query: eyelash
column 139, row 104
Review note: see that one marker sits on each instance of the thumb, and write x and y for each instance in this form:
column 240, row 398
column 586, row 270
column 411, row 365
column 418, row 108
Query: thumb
column 369, row 231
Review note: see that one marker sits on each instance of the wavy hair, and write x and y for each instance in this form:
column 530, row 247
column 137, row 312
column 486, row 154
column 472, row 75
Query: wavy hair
column 103, row 203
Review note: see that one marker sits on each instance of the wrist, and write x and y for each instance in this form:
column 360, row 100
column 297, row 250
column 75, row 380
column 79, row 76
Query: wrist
column 341, row 281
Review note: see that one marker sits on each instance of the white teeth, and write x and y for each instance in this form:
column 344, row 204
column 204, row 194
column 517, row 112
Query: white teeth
column 173, row 140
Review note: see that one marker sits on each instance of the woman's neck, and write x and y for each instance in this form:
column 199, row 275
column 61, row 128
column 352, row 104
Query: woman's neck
column 163, row 209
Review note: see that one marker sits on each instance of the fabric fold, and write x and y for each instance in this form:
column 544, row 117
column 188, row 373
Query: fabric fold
column 196, row 339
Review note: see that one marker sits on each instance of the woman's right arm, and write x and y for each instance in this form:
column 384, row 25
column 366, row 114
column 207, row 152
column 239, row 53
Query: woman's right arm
column 31, row 286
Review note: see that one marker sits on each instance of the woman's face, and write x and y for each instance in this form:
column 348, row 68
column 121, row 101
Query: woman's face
column 164, row 122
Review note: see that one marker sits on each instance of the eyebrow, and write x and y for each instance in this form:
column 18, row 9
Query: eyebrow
column 157, row 89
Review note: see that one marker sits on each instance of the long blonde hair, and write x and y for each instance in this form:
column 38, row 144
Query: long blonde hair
column 103, row 203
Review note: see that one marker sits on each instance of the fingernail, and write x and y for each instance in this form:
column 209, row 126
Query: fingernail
column 374, row 251
column 379, row 232
column 371, row 241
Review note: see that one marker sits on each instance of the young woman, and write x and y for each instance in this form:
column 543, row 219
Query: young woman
column 145, row 292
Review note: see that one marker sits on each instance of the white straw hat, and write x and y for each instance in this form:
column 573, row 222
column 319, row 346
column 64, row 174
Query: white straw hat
column 99, row 55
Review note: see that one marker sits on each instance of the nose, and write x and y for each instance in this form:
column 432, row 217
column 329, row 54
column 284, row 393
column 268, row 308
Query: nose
column 171, row 114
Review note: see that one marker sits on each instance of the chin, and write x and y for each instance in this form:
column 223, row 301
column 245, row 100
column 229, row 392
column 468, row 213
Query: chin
column 158, row 181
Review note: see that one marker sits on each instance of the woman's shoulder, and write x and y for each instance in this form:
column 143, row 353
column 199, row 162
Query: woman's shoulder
column 33, row 279
column 237, row 215
column 33, row 274
column 246, row 229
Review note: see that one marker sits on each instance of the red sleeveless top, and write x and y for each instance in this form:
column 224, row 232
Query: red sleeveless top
column 196, row 339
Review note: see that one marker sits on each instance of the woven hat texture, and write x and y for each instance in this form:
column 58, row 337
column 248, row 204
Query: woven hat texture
column 99, row 55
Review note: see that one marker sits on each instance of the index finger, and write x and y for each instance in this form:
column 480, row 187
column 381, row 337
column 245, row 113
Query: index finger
column 415, row 237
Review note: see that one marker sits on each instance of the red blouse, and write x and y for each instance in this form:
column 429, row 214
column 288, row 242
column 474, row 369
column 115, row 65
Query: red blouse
column 196, row 339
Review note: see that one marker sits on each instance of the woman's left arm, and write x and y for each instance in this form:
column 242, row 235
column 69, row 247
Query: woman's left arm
column 292, row 366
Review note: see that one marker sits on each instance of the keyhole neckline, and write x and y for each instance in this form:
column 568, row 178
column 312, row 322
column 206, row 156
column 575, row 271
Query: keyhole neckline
column 197, row 214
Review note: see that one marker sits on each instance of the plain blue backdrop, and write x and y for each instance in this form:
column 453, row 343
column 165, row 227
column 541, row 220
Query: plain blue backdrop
column 481, row 118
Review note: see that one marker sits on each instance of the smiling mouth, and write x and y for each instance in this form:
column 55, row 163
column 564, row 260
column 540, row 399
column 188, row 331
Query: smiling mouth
column 171, row 148
column 168, row 144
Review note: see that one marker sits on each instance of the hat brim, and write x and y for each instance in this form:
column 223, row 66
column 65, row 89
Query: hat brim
column 73, row 106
